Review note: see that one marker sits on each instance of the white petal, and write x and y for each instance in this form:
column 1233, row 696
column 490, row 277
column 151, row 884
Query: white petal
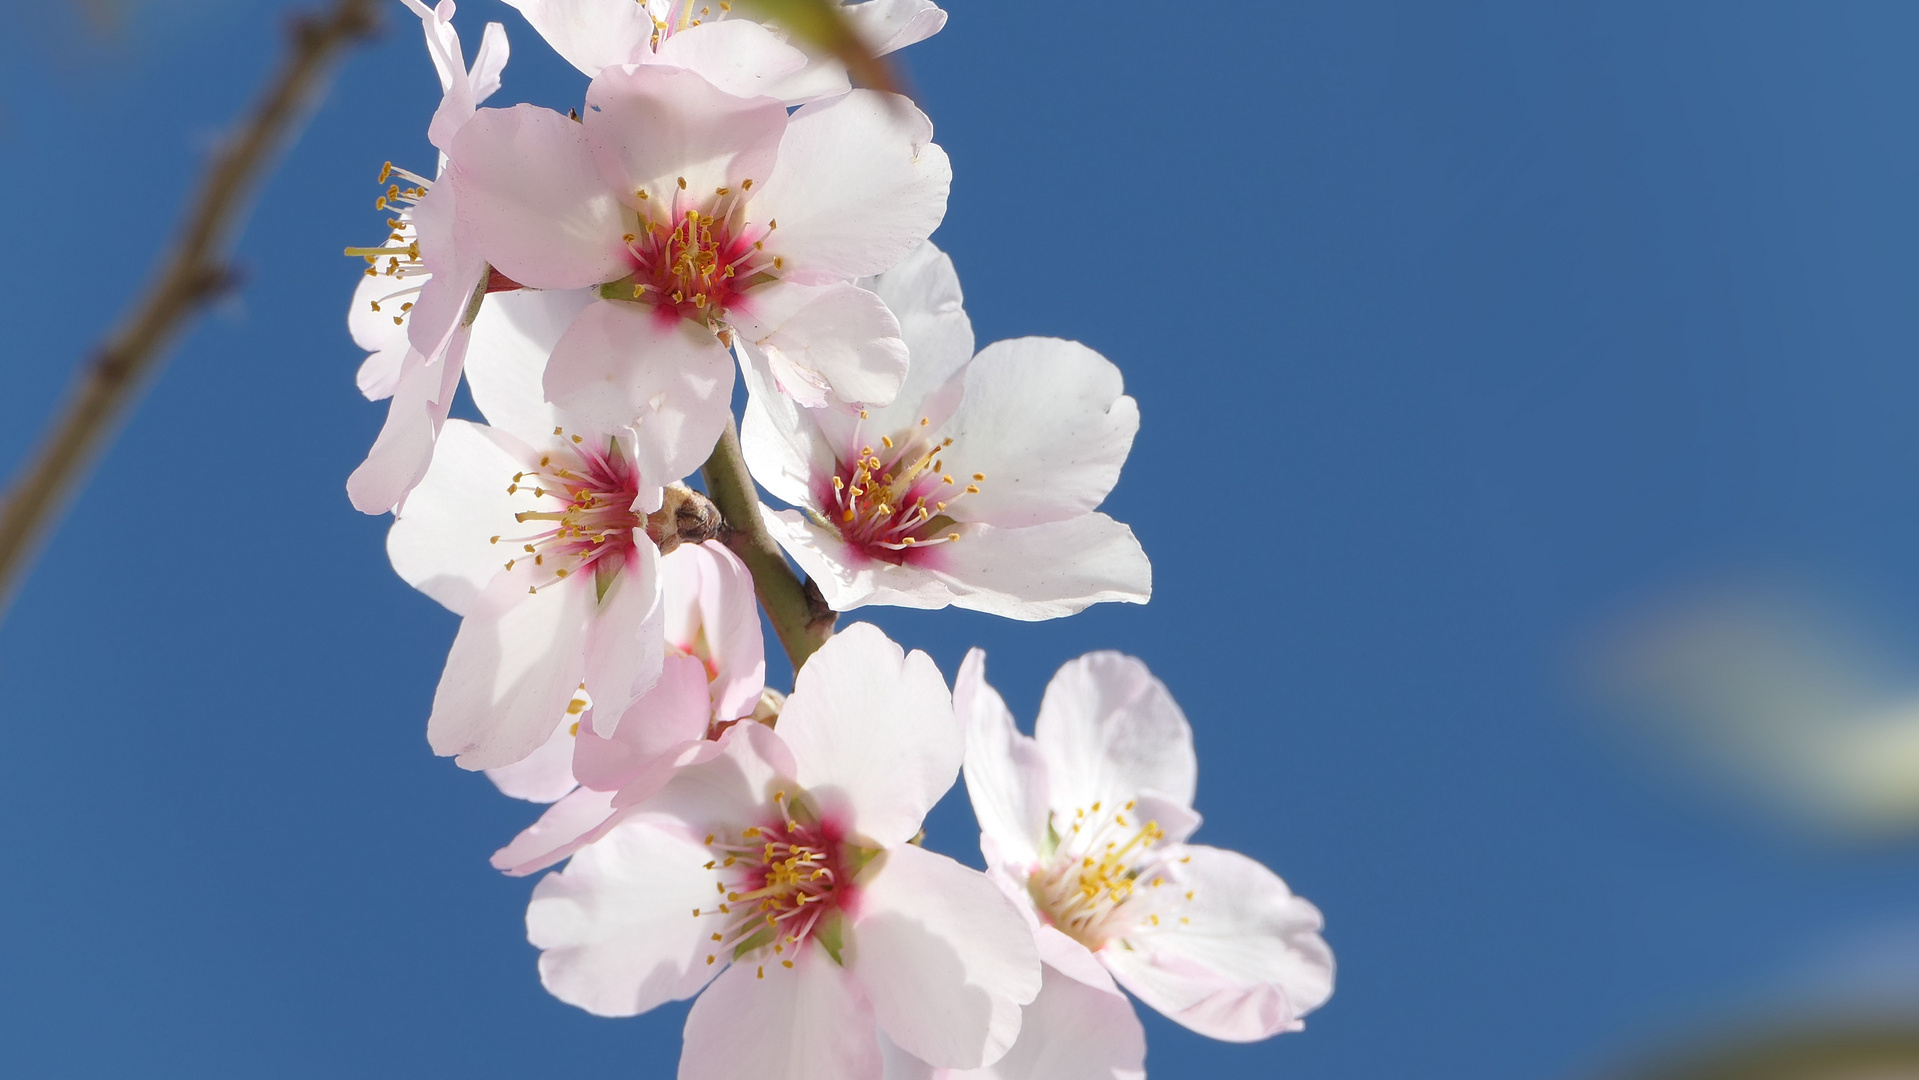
column 1110, row 730
column 1247, row 963
column 923, row 293
column 625, row 641
column 672, row 713
column 806, row 1022
column 738, row 56
column 1072, row 1031
column 441, row 541
column 945, row 958
column 547, row 774
column 654, row 126
column 506, row 359
column 838, row 337
column 1005, row 774
column 567, row 825
column 784, row 447
column 404, row 448
column 617, row 927
column 890, row 25
column 848, row 579
column 1047, row 422
column 590, row 34
column 859, row 182
column 872, row 733
column 1044, row 571
column 897, row 1064
column 512, row 669
column 710, row 609
column 726, row 789
column 533, row 200
column 625, row 363
column 381, row 332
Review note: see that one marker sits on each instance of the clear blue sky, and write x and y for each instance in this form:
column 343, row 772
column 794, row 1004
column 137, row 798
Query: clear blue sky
column 1449, row 329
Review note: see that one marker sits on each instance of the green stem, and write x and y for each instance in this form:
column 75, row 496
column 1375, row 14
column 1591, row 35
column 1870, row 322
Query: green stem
column 795, row 608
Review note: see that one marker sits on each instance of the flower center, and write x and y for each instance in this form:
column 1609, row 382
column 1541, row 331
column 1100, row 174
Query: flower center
column 1105, row 877
column 694, row 257
column 891, row 502
column 583, row 513
column 780, row 882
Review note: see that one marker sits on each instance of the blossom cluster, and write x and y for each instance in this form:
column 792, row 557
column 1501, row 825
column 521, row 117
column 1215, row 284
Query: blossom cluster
column 725, row 200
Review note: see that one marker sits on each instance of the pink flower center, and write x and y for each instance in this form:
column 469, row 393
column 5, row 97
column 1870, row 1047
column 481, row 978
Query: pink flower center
column 583, row 517
column 780, row 880
column 1106, row 878
column 895, row 501
column 697, row 261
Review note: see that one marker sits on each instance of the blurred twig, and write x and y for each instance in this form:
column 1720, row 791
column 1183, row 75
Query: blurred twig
column 194, row 274
column 797, row 611
column 824, row 25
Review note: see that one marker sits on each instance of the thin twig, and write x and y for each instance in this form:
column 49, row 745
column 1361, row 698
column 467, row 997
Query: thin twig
column 796, row 609
column 193, row 276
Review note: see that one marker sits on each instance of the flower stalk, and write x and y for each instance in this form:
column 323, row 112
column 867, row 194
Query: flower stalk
column 795, row 608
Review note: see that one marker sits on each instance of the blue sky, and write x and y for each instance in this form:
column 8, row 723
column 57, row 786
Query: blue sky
column 1452, row 332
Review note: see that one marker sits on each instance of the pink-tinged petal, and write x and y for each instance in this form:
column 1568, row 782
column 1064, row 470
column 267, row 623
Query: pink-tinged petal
column 872, row 733
column 897, row 1064
column 378, row 325
column 1044, row 571
column 625, row 641
column 729, row 782
column 1047, row 422
column 546, row 776
column 1110, row 730
column 1005, row 774
column 945, row 958
column 591, row 34
column 567, row 826
column 711, row 611
column 441, row 541
column 489, row 60
column 653, row 126
column 847, row 578
column 1243, row 961
column 1071, row 1032
column 533, row 201
column 1073, row 960
column 512, row 669
column 889, row 25
column 455, row 269
column 740, row 57
column 818, row 339
column 784, row 446
column 770, row 1022
column 623, row 363
column 859, row 182
column 671, row 714
column 506, row 360
column 404, row 448
column 616, row 928
column 923, row 293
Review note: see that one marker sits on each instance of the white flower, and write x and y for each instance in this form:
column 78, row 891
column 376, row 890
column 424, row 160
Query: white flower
column 699, row 218
column 410, row 308
column 975, row 487
column 535, row 530
column 781, row 868
column 1087, row 821
column 707, row 36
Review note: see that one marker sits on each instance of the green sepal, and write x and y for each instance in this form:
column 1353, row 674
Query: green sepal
column 831, row 934
column 605, row 573
column 766, row 936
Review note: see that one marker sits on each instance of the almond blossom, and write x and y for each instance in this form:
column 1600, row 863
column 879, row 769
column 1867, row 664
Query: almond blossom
column 411, row 310
column 780, row 869
column 975, row 487
column 703, row 218
column 1087, row 820
column 713, row 675
column 737, row 55
column 535, row 528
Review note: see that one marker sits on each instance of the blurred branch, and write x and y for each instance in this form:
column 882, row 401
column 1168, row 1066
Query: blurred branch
column 797, row 611
column 824, row 25
column 196, row 273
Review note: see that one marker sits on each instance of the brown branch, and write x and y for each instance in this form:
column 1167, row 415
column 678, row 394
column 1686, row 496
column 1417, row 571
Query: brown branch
column 795, row 608
column 190, row 278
